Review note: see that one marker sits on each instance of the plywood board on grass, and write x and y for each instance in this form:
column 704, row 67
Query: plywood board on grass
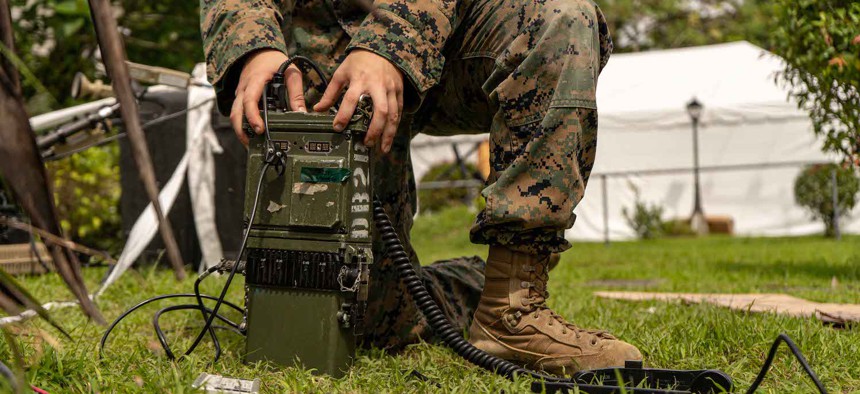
column 774, row 303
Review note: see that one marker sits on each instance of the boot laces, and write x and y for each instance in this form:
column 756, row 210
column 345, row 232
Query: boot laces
column 538, row 294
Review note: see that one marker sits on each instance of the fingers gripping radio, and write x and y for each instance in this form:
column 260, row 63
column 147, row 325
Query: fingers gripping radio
column 309, row 246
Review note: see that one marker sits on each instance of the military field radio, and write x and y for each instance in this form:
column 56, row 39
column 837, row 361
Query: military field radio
column 309, row 244
column 309, row 227
column 310, row 218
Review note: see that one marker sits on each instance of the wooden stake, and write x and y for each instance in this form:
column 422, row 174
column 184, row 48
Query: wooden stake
column 22, row 168
column 8, row 39
column 113, row 54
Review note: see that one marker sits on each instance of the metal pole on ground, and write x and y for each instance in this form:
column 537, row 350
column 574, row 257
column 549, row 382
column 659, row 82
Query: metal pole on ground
column 697, row 220
column 834, row 190
column 605, row 210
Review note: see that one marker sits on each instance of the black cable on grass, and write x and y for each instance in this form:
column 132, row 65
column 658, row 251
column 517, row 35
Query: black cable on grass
column 125, row 314
column 194, row 327
column 797, row 354
column 214, row 313
column 209, row 314
column 424, row 378
column 202, row 308
column 197, row 282
column 272, row 158
column 163, row 339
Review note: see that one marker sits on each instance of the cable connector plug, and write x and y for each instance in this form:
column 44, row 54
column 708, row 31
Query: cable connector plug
column 226, row 265
column 275, row 157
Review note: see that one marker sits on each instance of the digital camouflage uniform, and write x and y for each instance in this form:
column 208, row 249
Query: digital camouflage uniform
column 526, row 71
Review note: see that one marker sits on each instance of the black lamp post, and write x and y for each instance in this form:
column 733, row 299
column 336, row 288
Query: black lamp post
column 697, row 221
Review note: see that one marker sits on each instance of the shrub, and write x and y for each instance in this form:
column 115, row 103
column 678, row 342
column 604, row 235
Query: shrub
column 645, row 219
column 678, row 228
column 87, row 192
column 813, row 190
column 431, row 200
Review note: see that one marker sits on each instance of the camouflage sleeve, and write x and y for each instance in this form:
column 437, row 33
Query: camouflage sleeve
column 411, row 35
column 232, row 29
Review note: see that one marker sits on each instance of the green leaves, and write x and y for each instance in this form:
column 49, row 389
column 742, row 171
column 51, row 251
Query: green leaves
column 87, row 191
column 73, row 26
column 644, row 218
column 55, row 39
column 72, row 8
column 813, row 190
column 820, row 41
column 638, row 25
column 75, row 15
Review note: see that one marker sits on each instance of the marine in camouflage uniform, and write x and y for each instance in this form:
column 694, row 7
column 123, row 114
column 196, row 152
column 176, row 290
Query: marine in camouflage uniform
column 524, row 71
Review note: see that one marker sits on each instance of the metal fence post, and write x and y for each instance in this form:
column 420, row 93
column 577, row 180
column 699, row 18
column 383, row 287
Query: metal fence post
column 605, row 210
column 834, row 189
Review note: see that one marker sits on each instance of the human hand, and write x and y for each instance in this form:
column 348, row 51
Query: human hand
column 364, row 72
column 258, row 70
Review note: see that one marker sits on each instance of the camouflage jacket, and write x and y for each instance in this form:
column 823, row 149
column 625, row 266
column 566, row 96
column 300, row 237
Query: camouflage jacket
column 409, row 33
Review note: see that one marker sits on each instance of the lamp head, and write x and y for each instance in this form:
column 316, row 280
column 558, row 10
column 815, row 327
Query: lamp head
column 694, row 109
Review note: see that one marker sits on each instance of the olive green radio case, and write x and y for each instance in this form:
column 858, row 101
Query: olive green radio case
column 309, row 246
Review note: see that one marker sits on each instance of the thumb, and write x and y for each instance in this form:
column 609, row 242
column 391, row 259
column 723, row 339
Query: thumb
column 295, row 88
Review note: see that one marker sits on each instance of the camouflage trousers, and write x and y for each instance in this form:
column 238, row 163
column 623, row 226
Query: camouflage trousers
column 526, row 72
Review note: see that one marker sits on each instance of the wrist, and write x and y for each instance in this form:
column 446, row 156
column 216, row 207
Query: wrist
column 264, row 55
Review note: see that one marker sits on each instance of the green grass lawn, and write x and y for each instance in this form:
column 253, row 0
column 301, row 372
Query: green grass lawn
column 669, row 335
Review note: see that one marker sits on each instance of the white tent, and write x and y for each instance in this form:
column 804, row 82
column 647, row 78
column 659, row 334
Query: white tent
column 645, row 139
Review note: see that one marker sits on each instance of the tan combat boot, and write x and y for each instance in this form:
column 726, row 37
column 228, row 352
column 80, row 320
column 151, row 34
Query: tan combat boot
column 513, row 322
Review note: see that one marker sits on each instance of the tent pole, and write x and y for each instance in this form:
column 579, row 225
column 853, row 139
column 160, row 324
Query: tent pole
column 834, row 191
column 605, row 210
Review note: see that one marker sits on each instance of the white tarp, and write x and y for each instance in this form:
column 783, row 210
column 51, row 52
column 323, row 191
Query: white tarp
column 197, row 164
column 644, row 126
column 202, row 145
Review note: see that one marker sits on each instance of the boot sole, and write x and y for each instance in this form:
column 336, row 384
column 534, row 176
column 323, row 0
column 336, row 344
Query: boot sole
column 510, row 354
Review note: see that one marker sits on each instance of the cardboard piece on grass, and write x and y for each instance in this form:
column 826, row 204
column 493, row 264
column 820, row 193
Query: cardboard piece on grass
column 776, row 303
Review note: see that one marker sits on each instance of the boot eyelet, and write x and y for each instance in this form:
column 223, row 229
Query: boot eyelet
column 594, row 342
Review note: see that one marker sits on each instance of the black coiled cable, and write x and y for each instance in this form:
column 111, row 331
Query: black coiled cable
column 452, row 338
column 434, row 315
